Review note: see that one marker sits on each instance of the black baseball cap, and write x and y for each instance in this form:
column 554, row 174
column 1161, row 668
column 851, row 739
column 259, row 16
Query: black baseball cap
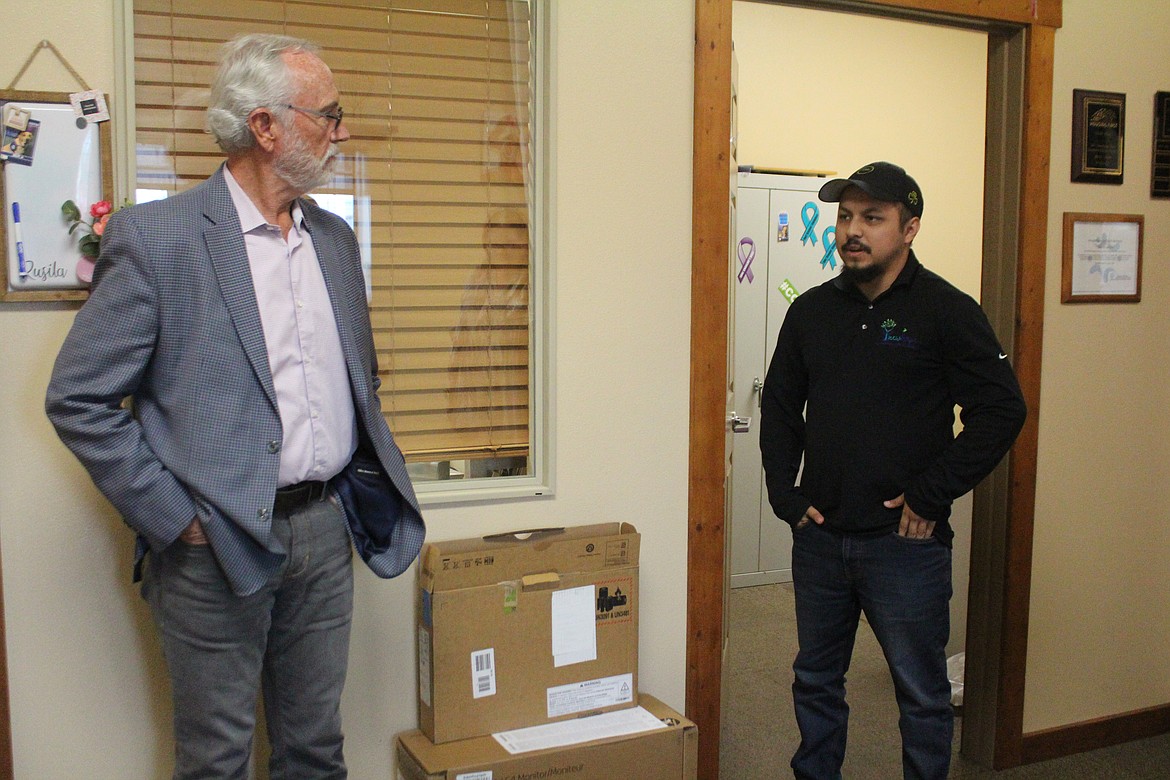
column 881, row 180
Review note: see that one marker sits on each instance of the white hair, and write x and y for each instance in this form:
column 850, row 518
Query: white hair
column 252, row 74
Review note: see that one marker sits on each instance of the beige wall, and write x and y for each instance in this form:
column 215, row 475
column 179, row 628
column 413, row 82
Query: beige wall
column 89, row 698
column 805, row 103
column 1100, row 613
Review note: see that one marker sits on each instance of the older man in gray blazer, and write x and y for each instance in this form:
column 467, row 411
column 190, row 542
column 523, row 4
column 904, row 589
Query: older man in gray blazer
column 233, row 317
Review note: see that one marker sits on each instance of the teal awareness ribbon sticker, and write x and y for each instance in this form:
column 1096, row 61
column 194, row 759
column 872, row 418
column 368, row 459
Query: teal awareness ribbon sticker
column 809, row 215
column 829, row 241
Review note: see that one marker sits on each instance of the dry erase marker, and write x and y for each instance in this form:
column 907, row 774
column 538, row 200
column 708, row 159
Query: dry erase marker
column 19, row 241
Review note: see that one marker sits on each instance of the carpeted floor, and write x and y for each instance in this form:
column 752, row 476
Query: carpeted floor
column 759, row 731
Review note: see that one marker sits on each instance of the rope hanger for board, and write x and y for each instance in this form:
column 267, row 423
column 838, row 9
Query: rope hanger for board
column 45, row 44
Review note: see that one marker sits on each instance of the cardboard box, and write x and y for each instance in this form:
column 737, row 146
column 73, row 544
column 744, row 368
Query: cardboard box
column 505, row 623
column 664, row 754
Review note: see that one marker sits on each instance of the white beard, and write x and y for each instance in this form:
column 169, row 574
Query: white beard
column 301, row 169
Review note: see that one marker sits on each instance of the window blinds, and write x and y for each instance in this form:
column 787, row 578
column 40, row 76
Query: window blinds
column 438, row 102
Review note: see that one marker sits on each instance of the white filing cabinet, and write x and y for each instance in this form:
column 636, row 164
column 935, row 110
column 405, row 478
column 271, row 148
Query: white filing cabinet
column 784, row 245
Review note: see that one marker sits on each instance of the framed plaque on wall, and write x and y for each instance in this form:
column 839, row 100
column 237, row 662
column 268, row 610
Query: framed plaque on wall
column 1098, row 137
column 1160, row 166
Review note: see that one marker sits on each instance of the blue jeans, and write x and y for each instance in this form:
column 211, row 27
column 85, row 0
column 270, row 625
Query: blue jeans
column 904, row 587
column 291, row 639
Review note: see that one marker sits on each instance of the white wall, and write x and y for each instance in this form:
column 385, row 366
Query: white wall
column 915, row 95
column 89, row 694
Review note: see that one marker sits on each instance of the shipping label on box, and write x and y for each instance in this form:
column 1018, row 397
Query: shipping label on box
column 515, row 632
column 590, row 696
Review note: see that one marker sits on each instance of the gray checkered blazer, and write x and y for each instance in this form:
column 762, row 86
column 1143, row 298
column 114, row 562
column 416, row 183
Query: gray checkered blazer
column 172, row 323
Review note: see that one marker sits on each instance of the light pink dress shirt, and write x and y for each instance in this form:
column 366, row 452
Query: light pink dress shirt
column 304, row 349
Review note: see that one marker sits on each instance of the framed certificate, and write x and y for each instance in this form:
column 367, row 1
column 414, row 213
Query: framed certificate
column 1098, row 137
column 1102, row 258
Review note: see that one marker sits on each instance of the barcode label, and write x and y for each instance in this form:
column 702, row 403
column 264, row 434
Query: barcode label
column 483, row 673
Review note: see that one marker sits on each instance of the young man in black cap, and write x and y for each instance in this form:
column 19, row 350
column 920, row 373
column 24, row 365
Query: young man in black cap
column 867, row 372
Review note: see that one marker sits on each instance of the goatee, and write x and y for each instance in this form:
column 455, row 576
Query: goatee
column 863, row 275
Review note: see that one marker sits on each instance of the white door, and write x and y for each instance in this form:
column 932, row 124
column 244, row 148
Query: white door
column 784, row 245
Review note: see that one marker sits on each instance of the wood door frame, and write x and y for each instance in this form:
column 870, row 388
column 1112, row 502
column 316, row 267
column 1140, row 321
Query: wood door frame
column 1020, row 74
column 6, row 761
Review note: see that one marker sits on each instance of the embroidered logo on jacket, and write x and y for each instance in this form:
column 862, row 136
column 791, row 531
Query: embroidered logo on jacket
column 892, row 336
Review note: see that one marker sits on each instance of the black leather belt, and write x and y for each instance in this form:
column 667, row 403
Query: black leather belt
column 293, row 497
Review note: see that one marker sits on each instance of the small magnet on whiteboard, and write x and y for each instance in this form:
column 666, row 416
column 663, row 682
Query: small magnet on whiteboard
column 16, row 117
column 782, row 226
column 18, row 147
column 81, row 123
column 90, row 105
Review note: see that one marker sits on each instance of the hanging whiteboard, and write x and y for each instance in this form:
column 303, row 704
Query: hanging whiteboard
column 70, row 161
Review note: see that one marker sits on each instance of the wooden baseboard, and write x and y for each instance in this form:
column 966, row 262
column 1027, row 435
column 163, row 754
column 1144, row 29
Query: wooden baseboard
column 1093, row 734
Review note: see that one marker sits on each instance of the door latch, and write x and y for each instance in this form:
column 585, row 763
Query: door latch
column 739, row 424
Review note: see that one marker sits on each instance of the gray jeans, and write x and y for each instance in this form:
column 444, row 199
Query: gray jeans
column 290, row 639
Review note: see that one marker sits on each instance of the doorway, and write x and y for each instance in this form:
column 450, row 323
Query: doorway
column 930, row 119
column 1020, row 53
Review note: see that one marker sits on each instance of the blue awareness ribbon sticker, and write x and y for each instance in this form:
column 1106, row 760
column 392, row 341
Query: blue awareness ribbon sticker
column 810, row 222
column 829, row 240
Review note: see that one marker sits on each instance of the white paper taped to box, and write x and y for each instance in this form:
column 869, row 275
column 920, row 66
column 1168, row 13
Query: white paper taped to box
column 574, row 626
column 572, row 732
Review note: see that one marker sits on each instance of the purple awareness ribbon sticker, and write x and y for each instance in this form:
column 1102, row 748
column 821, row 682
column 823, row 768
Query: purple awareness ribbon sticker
column 745, row 259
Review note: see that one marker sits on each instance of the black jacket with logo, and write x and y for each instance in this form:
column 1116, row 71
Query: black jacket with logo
column 881, row 380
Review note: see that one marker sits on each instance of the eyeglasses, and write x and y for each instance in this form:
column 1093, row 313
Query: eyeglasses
column 336, row 116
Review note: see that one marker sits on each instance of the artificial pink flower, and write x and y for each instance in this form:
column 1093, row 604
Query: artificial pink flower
column 101, row 209
column 99, row 226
